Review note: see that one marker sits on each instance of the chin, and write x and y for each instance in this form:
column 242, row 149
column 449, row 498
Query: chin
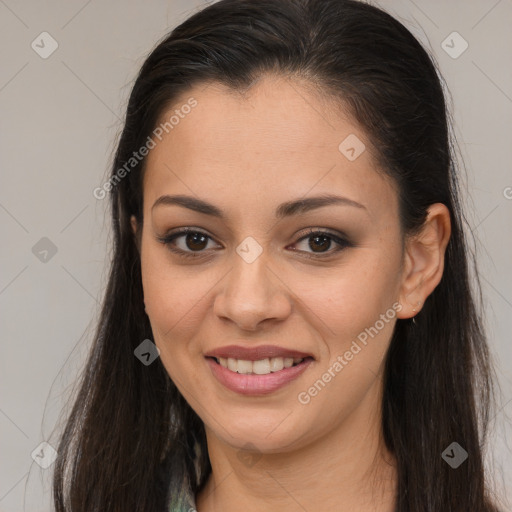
column 266, row 432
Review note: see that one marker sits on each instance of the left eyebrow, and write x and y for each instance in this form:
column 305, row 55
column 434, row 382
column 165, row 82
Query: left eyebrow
column 286, row 209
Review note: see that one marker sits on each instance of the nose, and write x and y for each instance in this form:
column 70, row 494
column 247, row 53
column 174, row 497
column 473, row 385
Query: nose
column 251, row 294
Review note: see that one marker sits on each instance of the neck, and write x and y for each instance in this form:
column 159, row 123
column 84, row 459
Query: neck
column 347, row 469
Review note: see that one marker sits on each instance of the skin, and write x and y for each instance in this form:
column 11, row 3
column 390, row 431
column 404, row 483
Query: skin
column 246, row 154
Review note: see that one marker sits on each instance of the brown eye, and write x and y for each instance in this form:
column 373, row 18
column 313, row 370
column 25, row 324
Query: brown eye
column 192, row 242
column 320, row 242
column 196, row 241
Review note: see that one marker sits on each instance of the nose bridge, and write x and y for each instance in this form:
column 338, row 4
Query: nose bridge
column 250, row 279
column 251, row 292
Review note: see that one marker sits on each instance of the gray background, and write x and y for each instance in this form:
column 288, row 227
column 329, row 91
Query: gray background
column 60, row 119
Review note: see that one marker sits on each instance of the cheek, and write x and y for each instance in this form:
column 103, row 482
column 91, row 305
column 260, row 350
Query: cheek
column 173, row 299
column 172, row 292
column 356, row 317
column 347, row 300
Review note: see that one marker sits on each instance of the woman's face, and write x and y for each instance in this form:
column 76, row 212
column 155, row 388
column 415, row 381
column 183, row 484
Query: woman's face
column 252, row 276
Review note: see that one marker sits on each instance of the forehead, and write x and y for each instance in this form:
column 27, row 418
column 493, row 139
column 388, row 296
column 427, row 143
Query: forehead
column 274, row 117
column 275, row 141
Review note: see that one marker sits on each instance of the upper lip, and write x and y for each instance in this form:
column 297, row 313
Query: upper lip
column 255, row 353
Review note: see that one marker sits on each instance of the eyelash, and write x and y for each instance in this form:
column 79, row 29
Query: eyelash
column 168, row 239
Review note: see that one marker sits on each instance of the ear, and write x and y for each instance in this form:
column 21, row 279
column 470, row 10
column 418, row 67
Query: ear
column 136, row 231
column 424, row 260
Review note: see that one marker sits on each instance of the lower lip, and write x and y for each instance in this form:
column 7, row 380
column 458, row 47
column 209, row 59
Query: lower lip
column 256, row 384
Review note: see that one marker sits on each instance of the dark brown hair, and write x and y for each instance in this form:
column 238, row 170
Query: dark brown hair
column 129, row 438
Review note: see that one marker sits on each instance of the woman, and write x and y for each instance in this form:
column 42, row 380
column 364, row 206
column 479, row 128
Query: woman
column 288, row 322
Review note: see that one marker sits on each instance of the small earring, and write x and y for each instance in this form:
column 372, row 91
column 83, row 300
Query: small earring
column 418, row 305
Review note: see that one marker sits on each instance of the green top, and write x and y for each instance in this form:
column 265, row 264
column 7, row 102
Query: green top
column 182, row 502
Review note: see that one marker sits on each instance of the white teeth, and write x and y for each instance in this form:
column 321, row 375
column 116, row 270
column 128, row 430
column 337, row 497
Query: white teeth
column 276, row 364
column 244, row 366
column 260, row 367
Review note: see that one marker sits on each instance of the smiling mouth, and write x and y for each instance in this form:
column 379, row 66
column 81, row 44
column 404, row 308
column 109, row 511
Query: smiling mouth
column 261, row 366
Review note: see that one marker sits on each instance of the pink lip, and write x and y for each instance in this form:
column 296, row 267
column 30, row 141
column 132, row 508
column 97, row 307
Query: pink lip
column 251, row 384
column 255, row 353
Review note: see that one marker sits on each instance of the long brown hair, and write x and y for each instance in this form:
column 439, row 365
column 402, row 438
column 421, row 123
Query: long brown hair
column 129, row 439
